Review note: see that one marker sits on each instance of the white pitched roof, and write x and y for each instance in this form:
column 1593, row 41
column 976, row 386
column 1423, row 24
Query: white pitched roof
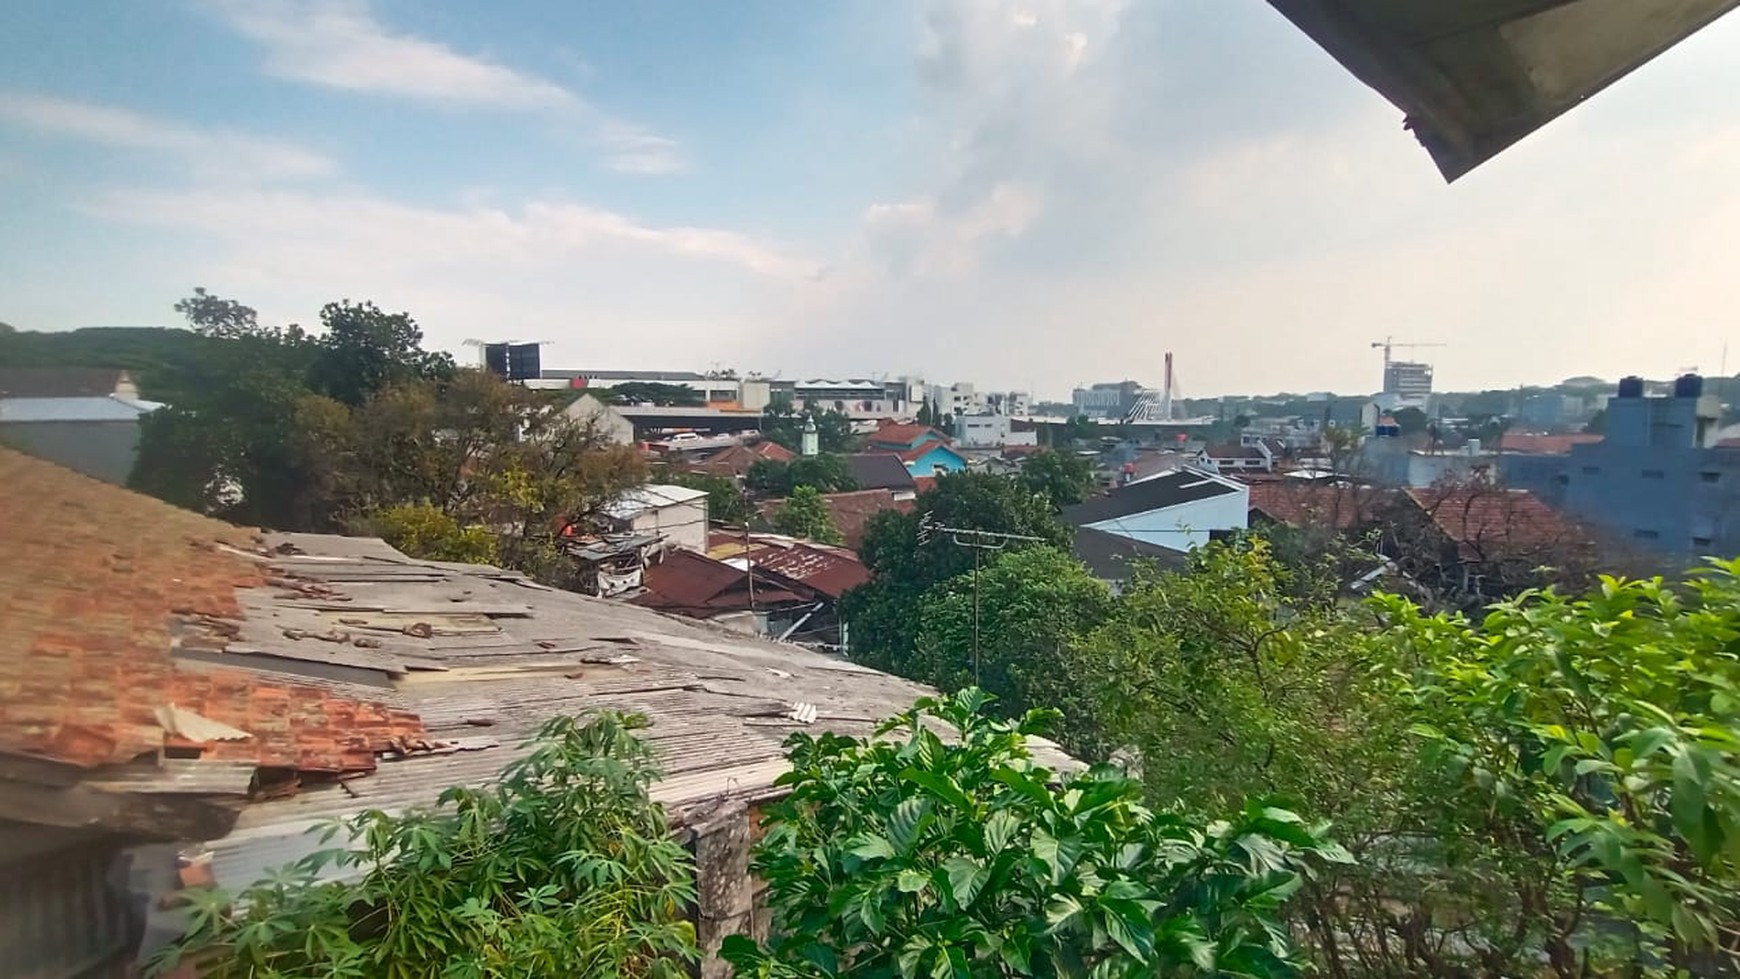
column 653, row 496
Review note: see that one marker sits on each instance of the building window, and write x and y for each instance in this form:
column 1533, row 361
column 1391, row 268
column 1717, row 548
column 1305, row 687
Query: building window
column 1591, row 470
column 1653, row 474
column 1702, row 542
column 1646, row 534
column 1710, row 477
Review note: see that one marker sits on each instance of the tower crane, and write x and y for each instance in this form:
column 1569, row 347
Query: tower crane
column 1387, row 343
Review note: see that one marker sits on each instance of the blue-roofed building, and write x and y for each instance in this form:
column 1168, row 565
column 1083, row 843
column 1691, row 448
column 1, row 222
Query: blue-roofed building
column 85, row 420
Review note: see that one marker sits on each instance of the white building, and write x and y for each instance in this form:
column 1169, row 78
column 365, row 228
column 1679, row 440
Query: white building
column 958, row 398
column 1181, row 509
column 713, row 388
column 676, row 513
column 588, row 410
column 989, row 431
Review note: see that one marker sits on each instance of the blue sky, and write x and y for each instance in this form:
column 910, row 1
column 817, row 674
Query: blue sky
column 1024, row 194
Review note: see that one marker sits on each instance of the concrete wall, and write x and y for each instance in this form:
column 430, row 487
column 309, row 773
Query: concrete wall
column 683, row 525
column 1187, row 525
column 729, row 899
column 587, row 409
column 105, row 450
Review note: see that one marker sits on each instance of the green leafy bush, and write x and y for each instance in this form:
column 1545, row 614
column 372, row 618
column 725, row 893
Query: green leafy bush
column 564, row 868
column 423, row 531
column 913, row 856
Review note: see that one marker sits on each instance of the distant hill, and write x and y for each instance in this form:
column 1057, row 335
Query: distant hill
column 155, row 355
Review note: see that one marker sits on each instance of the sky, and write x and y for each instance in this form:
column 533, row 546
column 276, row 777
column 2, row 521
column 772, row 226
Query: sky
column 1029, row 195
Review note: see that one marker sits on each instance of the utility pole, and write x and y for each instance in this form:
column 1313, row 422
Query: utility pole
column 979, row 541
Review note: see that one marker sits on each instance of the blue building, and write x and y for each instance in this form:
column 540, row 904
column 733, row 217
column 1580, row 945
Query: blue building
column 924, row 450
column 1656, row 481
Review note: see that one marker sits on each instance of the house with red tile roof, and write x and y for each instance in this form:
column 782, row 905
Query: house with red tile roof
column 922, row 449
column 1476, row 543
column 850, row 512
column 181, row 698
column 736, row 460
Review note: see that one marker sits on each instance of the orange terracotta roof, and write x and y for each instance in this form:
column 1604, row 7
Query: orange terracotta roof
column 1485, row 521
column 1544, row 444
column 1303, row 504
column 925, row 483
column 906, row 436
column 97, row 586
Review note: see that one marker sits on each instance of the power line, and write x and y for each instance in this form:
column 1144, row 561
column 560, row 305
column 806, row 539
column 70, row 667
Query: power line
column 979, row 541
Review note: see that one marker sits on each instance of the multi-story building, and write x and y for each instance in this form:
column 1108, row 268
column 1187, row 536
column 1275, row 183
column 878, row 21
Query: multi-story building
column 1107, row 399
column 1408, row 379
column 1657, row 480
column 959, row 398
column 714, row 388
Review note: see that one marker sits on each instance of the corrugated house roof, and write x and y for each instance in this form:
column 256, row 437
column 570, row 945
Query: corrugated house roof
column 851, row 512
column 906, row 436
column 1532, row 444
column 1305, row 504
column 880, row 470
column 1112, row 556
column 831, row 571
column 1153, row 493
column 109, row 408
column 60, row 382
column 128, row 620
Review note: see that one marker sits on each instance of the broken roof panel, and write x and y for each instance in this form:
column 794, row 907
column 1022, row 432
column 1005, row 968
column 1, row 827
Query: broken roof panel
column 1475, row 76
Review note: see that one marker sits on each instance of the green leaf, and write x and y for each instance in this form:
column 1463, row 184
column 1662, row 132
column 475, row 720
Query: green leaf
column 1128, row 925
column 1060, row 911
column 966, row 877
column 911, row 881
column 940, row 786
column 1058, row 855
column 999, row 830
column 907, row 821
column 869, row 846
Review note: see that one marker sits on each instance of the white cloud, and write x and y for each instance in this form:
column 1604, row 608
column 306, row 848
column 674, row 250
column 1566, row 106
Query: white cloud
column 217, row 153
column 304, row 232
column 1102, row 183
column 341, row 44
column 338, row 43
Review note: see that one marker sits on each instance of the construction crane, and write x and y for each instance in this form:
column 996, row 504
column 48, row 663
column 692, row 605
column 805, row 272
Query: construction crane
column 1387, row 343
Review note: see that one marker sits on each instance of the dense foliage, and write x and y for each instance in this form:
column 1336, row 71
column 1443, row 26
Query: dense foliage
column 909, row 856
column 826, row 473
column 725, row 500
column 1064, row 478
column 805, row 514
column 883, row 625
column 784, row 424
column 1549, row 789
column 357, row 428
column 564, row 867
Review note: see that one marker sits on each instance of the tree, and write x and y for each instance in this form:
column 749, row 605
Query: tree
column 805, row 514
column 1064, row 478
column 423, row 531
column 725, row 501
column 564, row 867
column 919, row 856
column 1597, row 422
column 783, row 424
column 825, row 473
column 1079, row 428
column 1033, row 607
column 646, row 392
column 364, row 349
column 880, row 613
column 1412, row 421
column 926, row 416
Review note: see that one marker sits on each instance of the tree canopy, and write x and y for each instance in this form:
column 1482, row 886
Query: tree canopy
column 805, row 514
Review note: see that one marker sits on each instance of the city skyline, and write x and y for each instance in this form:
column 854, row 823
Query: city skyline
column 1026, row 196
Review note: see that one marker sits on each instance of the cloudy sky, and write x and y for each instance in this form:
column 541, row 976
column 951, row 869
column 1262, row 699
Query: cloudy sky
column 1028, row 194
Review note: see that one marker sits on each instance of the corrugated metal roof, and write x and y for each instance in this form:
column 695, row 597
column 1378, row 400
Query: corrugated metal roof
column 112, row 408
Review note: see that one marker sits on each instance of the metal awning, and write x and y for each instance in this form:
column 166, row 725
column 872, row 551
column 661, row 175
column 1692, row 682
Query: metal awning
column 1475, row 76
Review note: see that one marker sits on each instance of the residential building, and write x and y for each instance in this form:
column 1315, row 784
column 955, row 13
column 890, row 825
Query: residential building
column 1656, row 481
column 1181, row 509
column 1333, row 507
column 87, row 420
column 924, row 450
column 676, row 513
column 770, row 585
column 1476, row 544
column 1231, row 458
column 612, row 424
column 984, row 431
column 736, row 460
column 612, row 564
column 171, row 725
column 882, row 470
column 1112, row 558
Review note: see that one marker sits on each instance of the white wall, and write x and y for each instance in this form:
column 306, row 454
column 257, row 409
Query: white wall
column 982, row 430
column 683, row 525
column 587, row 409
column 1187, row 525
